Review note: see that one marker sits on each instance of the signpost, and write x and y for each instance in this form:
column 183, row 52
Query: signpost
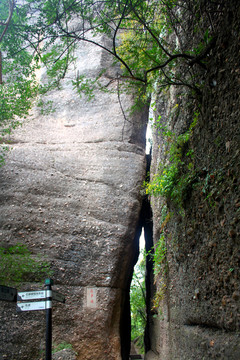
column 23, row 304
column 58, row 297
column 29, row 306
column 33, row 295
column 8, row 293
column 48, row 284
column 46, row 297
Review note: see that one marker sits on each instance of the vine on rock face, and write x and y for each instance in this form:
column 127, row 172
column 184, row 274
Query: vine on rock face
column 177, row 173
column 159, row 256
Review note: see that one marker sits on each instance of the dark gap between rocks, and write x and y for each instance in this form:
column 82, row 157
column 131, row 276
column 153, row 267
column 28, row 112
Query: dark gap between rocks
column 144, row 223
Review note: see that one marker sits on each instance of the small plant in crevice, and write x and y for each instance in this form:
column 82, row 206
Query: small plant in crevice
column 177, row 173
column 3, row 152
column 18, row 265
column 212, row 186
column 61, row 346
column 160, row 261
column 159, row 256
column 160, row 269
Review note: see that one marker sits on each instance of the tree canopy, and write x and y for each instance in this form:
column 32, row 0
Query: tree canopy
column 151, row 40
column 18, row 84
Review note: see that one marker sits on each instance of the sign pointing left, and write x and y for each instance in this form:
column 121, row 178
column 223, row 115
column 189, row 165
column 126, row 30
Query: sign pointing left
column 8, row 293
column 33, row 295
column 31, row 306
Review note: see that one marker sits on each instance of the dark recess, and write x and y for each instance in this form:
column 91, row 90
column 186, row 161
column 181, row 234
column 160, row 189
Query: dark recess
column 145, row 222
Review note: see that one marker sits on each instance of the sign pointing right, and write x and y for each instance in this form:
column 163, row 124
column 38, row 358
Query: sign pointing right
column 58, row 297
column 8, row 293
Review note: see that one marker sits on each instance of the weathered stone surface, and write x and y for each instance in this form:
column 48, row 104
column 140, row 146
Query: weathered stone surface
column 70, row 191
column 65, row 354
column 198, row 317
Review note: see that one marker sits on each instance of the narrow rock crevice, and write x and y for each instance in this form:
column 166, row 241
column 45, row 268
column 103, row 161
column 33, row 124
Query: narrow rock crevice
column 145, row 223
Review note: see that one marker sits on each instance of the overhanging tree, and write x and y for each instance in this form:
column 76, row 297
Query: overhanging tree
column 147, row 37
column 18, row 84
column 151, row 40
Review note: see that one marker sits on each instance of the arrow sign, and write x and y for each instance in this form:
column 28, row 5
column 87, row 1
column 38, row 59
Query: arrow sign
column 8, row 293
column 58, row 297
column 34, row 295
column 31, row 306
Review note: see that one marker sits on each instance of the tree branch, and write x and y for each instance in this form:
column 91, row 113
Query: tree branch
column 11, row 4
column 149, row 30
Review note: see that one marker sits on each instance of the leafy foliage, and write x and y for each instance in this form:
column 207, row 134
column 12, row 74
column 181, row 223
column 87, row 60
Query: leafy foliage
column 138, row 304
column 18, row 86
column 159, row 256
column 62, row 346
column 177, row 172
column 18, row 265
column 145, row 38
column 139, row 32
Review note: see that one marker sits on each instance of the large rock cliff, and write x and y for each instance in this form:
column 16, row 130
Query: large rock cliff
column 197, row 292
column 70, row 191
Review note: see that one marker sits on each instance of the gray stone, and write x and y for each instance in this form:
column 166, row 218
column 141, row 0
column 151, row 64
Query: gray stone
column 65, row 354
column 150, row 355
column 198, row 315
column 70, row 191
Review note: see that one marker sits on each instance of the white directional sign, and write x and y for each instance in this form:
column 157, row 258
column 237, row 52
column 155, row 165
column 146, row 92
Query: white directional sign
column 58, row 297
column 46, row 297
column 34, row 295
column 31, row 306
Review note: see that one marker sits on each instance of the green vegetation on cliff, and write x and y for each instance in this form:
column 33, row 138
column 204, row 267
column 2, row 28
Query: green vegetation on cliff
column 17, row 264
column 177, row 173
column 18, row 86
column 145, row 38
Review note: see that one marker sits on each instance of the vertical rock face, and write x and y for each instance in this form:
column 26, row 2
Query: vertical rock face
column 199, row 310
column 70, row 191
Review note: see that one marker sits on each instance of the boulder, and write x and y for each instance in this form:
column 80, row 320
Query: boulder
column 70, row 191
